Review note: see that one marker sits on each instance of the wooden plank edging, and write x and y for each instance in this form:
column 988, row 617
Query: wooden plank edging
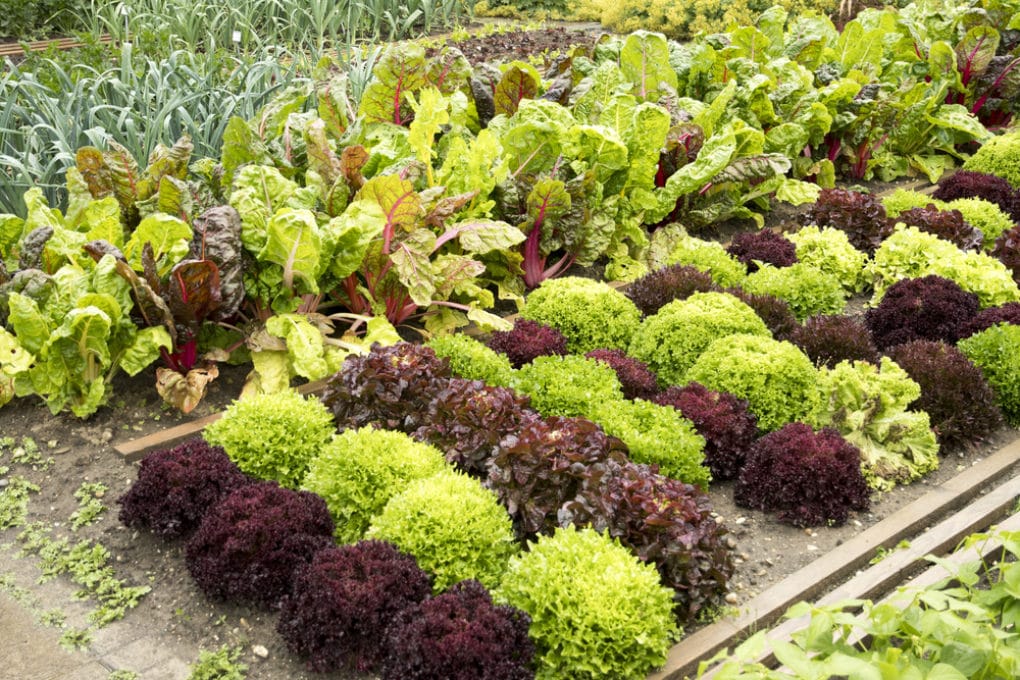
column 809, row 581
column 136, row 449
column 18, row 49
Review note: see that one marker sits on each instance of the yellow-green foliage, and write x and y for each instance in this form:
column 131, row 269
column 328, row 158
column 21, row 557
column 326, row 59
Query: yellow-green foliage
column 903, row 200
column 452, row 526
column 361, row 470
column 682, row 20
column 596, row 610
column 591, row 314
column 999, row 156
column 273, row 436
column 711, row 257
column 983, row 215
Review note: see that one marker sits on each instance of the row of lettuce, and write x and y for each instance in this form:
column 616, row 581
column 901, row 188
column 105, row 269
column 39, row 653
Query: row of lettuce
column 447, row 187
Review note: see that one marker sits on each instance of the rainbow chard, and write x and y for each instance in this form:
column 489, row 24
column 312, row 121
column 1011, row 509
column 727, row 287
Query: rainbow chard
column 204, row 286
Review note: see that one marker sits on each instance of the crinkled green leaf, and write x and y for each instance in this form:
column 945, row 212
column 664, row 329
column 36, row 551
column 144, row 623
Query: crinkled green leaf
column 483, row 236
column 305, row 348
column 644, row 61
column 346, row 238
column 411, row 260
column 294, row 243
column 714, row 156
column 519, row 82
column 431, row 113
column 169, row 237
column 399, row 72
column 145, row 349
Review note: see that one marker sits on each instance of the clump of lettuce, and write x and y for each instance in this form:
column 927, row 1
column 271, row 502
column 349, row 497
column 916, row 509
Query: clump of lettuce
column 868, row 405
column 830, row 251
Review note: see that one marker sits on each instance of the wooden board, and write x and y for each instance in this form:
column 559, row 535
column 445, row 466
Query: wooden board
column 17, row 49
column 136, row 449
column 901, row 564
column 815, row 578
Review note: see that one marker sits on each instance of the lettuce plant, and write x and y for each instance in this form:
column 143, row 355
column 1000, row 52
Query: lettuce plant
column 664, row 522
column 902, row 200
column 584, row 625
column 344, row 600
column 567, row 385
column 273, row 436
column 467, row 421
column 928, row 308
column 724, row 421
column 1007, row 251
column 459, row 635
column 657, row 435
column 946, row 223
column 247, row 547
column 540, row 470
column 776, row 313
column 809, row 478
column 390, row 387
column 830, row 339
column 971, row 184
column 984, row 216
column 998, row 156
column 591, row 314
column 452, row 526
column 861, row 216
column 672, row 339
column 471, row 359
column 868, row 405
column 829, row 250
column 986, row 318
column 361, row 470
column 911, row 253
column 808, row 290
column 770, row 247
column 636, row 380
column 995, row 351
column 778, row 381
column 673, row 282
column 709, row 257
column 527, row 340
column 177, row 486
column 954, row 393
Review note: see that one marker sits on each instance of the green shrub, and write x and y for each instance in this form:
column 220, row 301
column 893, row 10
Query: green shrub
column 361, row 470
column 996, row 351
column 999, row 156
column 829, row 250
column 683, row 21
column 778, row 380
column 983, row 215
column 591, row 314
column 911, row 253
column 596, row 611
column 454, row 527
column 472, row 360
column 672, row 339
column 273, row 436
column 27, row 19
column 711, row 257
column 657, row 435
column 567, row 385
column 807, row 289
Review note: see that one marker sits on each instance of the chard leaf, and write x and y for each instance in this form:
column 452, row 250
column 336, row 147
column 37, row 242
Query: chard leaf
column 193, row 293
column 597, row 91
column 13, row 360
column 484, row 236
column 519, row 82
column 975, row 52
column 184, row 392
column 258, row 192
column 11, row 229
column 346, row 238
column 431, row 113
column 28, row 322
column 218, row 239
column 646, row 136
column 70, row 368
column 168, row 236
column 293, row 242
column 475, row 166
column 164, row 162
column 321, row 157
column 857, row 48
column 713, row 113
column 412, row 263
column 714, row 156
column 400, row 203
column 241, row 146
column 305, row 348
column 101, row 222
column 335, row 107
column 448, row 70
column 644, row 61
column 145, row 349
column 452, row 272
column 399, row 72
column 795, row 192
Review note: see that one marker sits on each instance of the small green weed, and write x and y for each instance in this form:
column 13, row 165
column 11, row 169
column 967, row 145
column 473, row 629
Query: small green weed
column 222, row 664
column 89, row 505
column 14, row 502
column 882, row 553
column 123, row 675
column 54, row 618
column 76, row 639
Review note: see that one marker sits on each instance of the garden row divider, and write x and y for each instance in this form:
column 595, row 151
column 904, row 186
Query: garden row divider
column 135, row 449
column 901, row 563
column 811, row 580
column 18, row 49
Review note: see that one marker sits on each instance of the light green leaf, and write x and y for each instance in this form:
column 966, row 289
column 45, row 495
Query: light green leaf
column 483, row 236
column 411, row 260
column 100, row 220
column 305, row 348
column 145, row 349
column 714, row 156
column 346, row 238
column 293, row 242
column 169, row 236
column 795, row 192
column 431, row 113
column 644, row 61
column 28, row 322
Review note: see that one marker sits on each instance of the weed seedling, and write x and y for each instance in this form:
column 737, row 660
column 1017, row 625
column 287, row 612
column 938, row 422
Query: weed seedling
column 222, row 664
column 89, row 505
